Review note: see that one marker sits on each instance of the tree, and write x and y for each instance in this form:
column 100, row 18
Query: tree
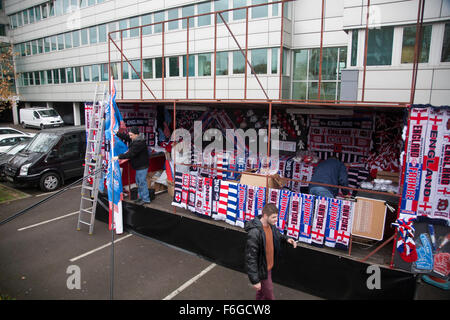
column 7, row 76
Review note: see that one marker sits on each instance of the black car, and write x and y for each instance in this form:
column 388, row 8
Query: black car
column 8, row 154
column 53, row 156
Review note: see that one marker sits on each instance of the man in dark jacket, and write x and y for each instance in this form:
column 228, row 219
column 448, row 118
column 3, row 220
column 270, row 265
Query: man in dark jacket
column 263, row 245
column 138, row 155
column 330, row 171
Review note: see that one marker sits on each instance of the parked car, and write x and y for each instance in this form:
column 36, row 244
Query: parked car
column 53, row 156
column 8, row 154
column 40, row 118
column 8, row 130
column 8, row 140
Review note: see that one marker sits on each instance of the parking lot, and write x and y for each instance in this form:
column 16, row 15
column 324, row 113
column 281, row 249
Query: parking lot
column 37, row 248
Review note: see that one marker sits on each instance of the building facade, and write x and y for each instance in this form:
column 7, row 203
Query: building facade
column 62, row 50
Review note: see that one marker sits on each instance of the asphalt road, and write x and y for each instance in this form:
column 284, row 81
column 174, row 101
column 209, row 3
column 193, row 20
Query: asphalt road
column 36, row 252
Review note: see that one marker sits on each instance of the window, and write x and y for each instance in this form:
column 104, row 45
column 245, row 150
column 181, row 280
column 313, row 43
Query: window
column 115, row 70
column 49, row 77
column 379, row 48
column 123, row 24
column 31, row 15
column 204, row 64
column 40, row 45
column 173, row 14
column 354, row 56
column 158, row 67
column 93, row 35
column 51, row 9
column 55, row 76
column 306, row 73
column 37, row 78
column 66, row 6
column 409, row 41
column 137, row 66
column 60, row 41
column 86, row 73
column 95, row 72
column 147, row 66
column 222, row 63
column 43, row 77
column 58, row 7
column 44, row 11
column 205, row 20
column 47, row 44
column 221, row 5
column 34, row 47
column 186, row 12
column 77, row 71
column 191, row 66
column 102, row 33
column 159, row 17
column 70, row 76
column 84, row 36
column 261, row 11
column 259, row 60
column 174, row 67
column 53, row 43
column 125, row 74
column 69, row 147
column 239, row 14
column 37, row 11
column 134, row 22
column 28, row 44
column 62, row 74
column 105, row 73
column 112, row 27
column 68, row 40
column 76, row 38
column 445, row 57
column 30, row 76
column 24, row 15
column 238, row 62
column 274, row 61
column 147, row 19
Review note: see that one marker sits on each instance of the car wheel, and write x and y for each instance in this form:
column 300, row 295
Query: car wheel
column 50, row 182
column 24, row 125
column 42, row 126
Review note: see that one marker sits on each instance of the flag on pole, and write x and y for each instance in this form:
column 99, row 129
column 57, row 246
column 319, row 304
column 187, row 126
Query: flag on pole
column 115, row 146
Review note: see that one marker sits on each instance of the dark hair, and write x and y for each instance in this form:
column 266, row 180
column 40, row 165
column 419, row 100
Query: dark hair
column 270, row 209
column 134, row 130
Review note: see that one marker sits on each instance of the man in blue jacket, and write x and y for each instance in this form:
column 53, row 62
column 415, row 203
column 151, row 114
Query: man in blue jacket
column 330, row 171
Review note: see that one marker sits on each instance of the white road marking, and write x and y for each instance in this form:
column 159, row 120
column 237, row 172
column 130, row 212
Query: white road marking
column 47, row 221
column 189, row 282
column 99, row 248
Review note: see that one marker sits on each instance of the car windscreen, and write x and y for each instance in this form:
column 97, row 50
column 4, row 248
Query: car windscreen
column 17, row 147
column 42, row 142
column 48, row 113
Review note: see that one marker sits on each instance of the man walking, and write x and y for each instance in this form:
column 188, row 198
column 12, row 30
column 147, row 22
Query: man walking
column 138, row 155
column 263, row 245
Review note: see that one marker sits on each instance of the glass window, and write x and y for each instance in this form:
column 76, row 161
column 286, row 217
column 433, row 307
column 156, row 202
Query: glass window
column 60, row 41
column 147, row 68
column 51, row 8
column 86, row 73
column 58, row 7
column 204, row 64
column 205, row 20
column 62, row 75
column 37, row 78
column 159, row 16
column 66, row 6
column 445, row 57
column 275, row 9
column 49, row 77
column 147, row 19
column 83, row 3
column 70, row 76
column 221, row 5
column 24, row 15
column 31, row 15
column 28, row 45
column 91, row 2
column 34, row 47
column 123, row 24
column 238, row 62
column 274, row 61
column 76, row 38
column 299, row 90
column 37, row 11
column 84, row 36
column 53, row 41
column 354, row 56
column 125, row 73
column 47, row 44
column 77, row 71
column 19, row 19
column 222, row 63
column 102, row 33
column 55, row 76
column 40, row 44
column 68, row 40
column 93, row 35
column 134, row 22
column 105, row 73
column 95, row 72
column 174, row 67
column 173, row 14
column 137, row 66
column 409, row 41
column 44, row 11
column 191, row 66
column 30, row 76
column 379, row 48
column 259, row 60
column 23, row 50
column 187, row 12
column 239, row 14
column 115, row 70
column 261, row 11
column 158, row 67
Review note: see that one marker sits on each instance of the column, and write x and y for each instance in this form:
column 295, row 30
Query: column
column 15, row 112
column 76, row 114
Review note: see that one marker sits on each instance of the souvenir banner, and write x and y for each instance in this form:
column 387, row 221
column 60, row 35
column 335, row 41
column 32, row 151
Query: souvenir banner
column 215, row 197
column 242, row 200
column 283, row 209
column 199, row 195
column 207, row 196
column 185, row 190
column 274, row 196
column 223, row 201
column 345, row 224
column 331, row 226
column 250, row 205
column 178, row 188
column 232, row 205
column 260, row 200
column 319, row 221
column 293, row 225
column 307, row 214
column 192, row 192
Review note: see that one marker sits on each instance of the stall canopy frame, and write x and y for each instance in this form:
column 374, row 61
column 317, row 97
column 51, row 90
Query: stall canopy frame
column 310, row 103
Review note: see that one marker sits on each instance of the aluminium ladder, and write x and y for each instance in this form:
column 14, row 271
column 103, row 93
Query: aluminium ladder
column 93, row 159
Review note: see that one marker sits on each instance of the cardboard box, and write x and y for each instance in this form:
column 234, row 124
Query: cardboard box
column 151, row 181
column 274, row 181
column 369, row 218
column 386, row 175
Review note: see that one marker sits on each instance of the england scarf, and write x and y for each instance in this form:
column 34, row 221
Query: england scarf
column 307, row 214
column 345, row 224
column 293, row 225
column 283, row 209
column 192, row 192
column 260, row 200
column 320, row 220
column 274, row 196
column 232, row 206
column 215, row 197
column 178, row 188
column 413, row 166
column 242, row 195
column 185, row 190
column 199, row 195
column 223, row 201
column 296, row 174
column 250, row 203
column 331, row 226
column 207, row 196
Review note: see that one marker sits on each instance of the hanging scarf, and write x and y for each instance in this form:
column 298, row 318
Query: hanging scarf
column 283, row 209
column 319, row 221
column 293, row 225
column 242, row 200
column 345, row 224
column 232, row 205
column 331, row 226
column 178, row 188
column 207, row 196
column 307, row 214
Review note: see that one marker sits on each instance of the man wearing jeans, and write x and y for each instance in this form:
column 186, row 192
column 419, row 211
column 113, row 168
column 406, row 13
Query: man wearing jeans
column 138, row 155
column 331, row 171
